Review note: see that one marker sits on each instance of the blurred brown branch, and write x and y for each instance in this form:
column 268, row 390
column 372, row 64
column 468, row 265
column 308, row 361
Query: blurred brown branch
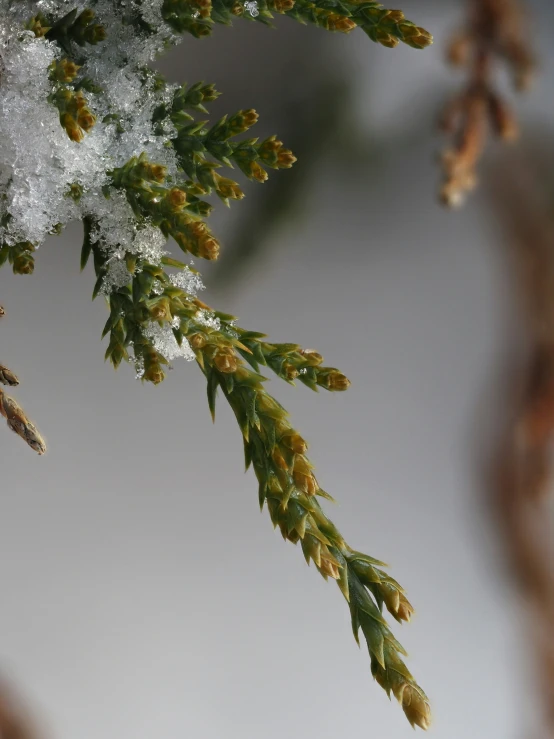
column 495, row 31
column 14, row 720
column 523, row 470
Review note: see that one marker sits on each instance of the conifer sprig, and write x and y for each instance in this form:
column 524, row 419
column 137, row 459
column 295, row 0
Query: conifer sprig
column 73, row 27
column 275, row 450
column 289, row 361
column 155, row 316
column 387, row 27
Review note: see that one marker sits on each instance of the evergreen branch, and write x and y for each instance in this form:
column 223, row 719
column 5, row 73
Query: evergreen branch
column 194, row 141
column 288, row 361
column 288, row 486
column 273, row 447
column 178, row 211
column 166, row 207
column 153, row 316
column 384, row 26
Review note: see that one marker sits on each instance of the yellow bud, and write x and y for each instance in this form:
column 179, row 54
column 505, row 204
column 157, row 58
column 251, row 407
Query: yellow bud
column 385, row 39
column 176, row 198
column 286, row 158
column 340, row 23
column 395, row 16
column 161, row 310
column 197, row 341
column 338, row 381
column 198, row 228
column 227, row 188
column 281, row 6
column 258, row 173
column 23, row 265
column 208, row 247
column 250, row 117
column 290, row 372
column 66, row 70
column 225, row 361
column 74, row 131
column 296, row 443
column 312, row 357
column 154, row 374
column 80, row 100
column 86, row 121
column 157, row 172
column 416, row 707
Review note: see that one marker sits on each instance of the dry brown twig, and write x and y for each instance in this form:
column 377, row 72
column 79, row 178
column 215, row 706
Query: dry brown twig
column 14, row 720
column 495, row 32
column 15, row 415
column 523, row 472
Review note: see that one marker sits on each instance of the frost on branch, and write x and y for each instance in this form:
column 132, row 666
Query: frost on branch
column 49, row 177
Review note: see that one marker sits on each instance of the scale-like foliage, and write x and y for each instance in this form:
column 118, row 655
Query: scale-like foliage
column 134, row 158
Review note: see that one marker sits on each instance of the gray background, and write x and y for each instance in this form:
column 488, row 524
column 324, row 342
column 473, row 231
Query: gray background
column 143, row 593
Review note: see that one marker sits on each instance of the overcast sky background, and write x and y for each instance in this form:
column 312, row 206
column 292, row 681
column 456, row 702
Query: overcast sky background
column 143, row 593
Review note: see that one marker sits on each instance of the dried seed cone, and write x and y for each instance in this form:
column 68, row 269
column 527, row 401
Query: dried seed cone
column 19, row 423
column 7, row 377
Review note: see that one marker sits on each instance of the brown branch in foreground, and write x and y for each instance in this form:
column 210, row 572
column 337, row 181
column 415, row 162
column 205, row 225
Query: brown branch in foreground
column 15, row 415
column 523, row 472
column 495, row 31
column 14, row 721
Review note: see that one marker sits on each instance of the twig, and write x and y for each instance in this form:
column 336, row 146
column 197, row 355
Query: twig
column 15, row 415
column 495, row 31
column 523, row 470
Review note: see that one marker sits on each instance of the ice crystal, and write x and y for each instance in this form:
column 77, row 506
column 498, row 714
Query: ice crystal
column 117, row 275
column 252, row 7
column 138, row 361
column 163, row 340
column 187, row 280
column 207, row 318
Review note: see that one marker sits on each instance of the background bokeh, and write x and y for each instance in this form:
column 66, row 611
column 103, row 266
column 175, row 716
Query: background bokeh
column 142, row 592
